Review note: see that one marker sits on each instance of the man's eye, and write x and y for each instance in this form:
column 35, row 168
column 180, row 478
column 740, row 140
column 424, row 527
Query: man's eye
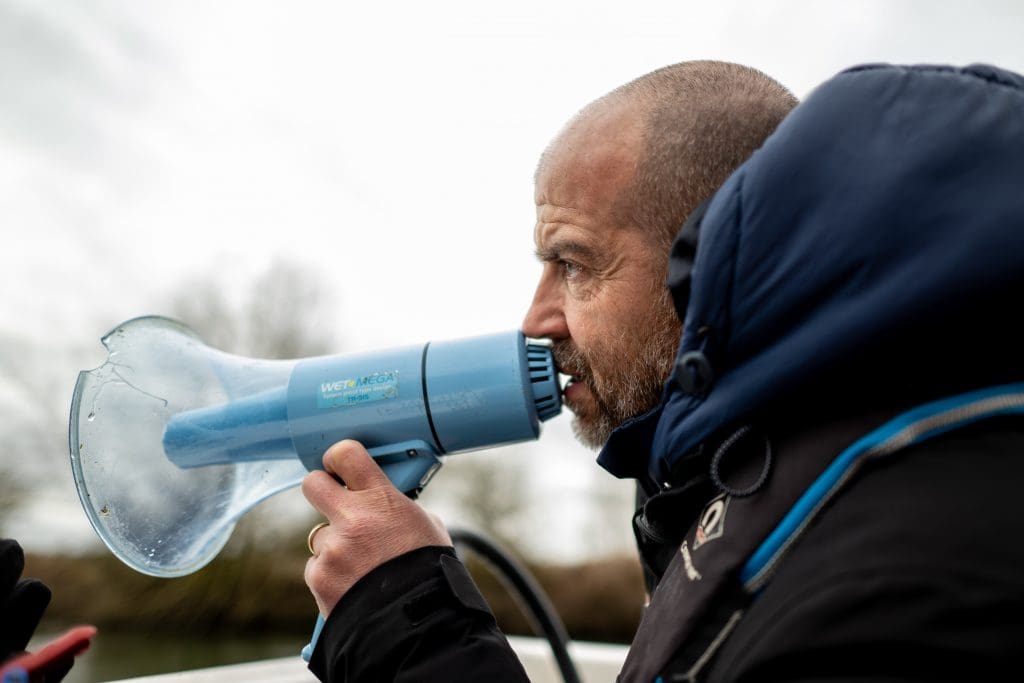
column 570, row 270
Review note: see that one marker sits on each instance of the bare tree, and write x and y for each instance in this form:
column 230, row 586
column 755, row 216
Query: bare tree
column 284, row 314
column 34, row 384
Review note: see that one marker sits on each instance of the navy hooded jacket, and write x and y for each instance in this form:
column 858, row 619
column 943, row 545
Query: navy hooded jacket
column 874, row 243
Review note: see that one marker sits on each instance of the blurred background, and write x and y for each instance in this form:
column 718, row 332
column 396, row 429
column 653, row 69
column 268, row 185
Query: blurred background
column 300, row 178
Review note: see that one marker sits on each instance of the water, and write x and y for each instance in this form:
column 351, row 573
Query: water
column 114, row 656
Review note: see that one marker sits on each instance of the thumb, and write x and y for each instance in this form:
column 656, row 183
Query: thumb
column 351, row 463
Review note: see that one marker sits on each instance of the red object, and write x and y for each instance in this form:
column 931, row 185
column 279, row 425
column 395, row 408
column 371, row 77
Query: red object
column 72, row 643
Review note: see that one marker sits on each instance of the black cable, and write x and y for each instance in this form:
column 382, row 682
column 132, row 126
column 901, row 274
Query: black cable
column 531, row 596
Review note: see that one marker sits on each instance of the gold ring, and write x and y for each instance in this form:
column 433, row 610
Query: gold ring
column 312, row 533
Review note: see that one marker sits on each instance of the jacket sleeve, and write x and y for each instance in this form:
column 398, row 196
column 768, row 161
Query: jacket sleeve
column 418, row 617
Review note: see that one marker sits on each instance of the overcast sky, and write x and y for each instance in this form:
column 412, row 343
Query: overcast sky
column 386, row 147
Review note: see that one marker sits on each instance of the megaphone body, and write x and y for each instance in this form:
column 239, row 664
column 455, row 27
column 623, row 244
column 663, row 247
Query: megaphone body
column 172, row 441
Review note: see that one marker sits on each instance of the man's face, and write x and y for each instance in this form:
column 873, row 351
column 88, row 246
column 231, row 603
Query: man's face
column 601, row 297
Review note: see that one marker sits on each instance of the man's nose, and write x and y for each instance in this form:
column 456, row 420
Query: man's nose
column 545, row 318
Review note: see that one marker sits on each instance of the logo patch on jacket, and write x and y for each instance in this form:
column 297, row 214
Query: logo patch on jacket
column 712, row 521
column 691, row 571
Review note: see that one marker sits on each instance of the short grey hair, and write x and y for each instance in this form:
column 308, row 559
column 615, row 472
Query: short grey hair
column 701, row 120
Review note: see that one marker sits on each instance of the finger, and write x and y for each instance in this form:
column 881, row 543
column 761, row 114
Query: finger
column 311, row 576
column 351, row 462
column 314, row 534
column 24, row 609
column 325, row 494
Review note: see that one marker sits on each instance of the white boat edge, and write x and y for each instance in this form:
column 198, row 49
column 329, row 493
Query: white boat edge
column 596, row 663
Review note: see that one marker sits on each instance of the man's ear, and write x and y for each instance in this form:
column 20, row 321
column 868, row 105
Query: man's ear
column 680, row 260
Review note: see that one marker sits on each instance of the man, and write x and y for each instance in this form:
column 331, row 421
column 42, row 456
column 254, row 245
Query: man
column 612, row 190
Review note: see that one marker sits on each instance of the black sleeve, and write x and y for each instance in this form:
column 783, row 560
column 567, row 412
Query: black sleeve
column 418, row 617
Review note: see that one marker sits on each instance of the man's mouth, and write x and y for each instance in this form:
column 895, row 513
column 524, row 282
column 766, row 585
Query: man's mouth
column 570, row 382
column 570, row 373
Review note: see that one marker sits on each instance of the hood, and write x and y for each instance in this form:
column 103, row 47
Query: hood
column 873, row 246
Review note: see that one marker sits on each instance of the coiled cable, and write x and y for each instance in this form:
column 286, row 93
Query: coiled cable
column 529, row 595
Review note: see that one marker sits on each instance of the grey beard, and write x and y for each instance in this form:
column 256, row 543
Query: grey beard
column 625, row 375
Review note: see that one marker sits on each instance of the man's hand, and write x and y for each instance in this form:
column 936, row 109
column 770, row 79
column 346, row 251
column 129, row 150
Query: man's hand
column 371, row 522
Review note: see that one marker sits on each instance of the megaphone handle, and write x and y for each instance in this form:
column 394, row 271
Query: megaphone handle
column 409, row 465
column 307, row 651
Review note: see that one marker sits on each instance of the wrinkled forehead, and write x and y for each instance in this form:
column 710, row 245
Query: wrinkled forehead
column 582, row 188
column 597, row 153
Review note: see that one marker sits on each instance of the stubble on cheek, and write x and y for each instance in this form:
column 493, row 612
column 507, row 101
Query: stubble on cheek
column 623, row 375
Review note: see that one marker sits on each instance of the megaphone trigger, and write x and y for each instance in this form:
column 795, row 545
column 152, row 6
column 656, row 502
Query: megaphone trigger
column 409, row 465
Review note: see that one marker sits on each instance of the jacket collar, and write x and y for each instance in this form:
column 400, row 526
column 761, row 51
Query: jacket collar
column 625, row 453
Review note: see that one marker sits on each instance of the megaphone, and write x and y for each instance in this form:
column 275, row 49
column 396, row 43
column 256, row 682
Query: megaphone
column 172, row 441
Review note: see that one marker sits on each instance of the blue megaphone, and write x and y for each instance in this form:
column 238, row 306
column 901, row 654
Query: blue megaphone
column 172, row 441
